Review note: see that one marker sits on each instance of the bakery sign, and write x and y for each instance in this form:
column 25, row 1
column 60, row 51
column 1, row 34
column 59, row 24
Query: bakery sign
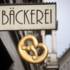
column 28, row 16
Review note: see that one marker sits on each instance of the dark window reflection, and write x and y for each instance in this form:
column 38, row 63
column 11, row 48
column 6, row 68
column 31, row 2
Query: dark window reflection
column 7, row 1
column 1, row 1
column 5, row 59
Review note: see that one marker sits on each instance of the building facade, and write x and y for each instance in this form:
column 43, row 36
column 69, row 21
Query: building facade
column 64, row 61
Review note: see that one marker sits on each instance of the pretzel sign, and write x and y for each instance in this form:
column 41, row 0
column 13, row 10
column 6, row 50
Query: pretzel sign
column 32, row 52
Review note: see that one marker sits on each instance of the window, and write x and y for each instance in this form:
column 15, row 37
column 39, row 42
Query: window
column 1, row 1
column 5, row 59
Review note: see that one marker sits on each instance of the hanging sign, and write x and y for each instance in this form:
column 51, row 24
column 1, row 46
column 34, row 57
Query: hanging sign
column 28, row 17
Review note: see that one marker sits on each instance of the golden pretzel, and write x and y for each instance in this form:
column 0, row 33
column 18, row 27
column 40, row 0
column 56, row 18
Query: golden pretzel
column 24, row 49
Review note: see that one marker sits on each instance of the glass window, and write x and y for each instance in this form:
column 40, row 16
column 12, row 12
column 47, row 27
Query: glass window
column 5, row 59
